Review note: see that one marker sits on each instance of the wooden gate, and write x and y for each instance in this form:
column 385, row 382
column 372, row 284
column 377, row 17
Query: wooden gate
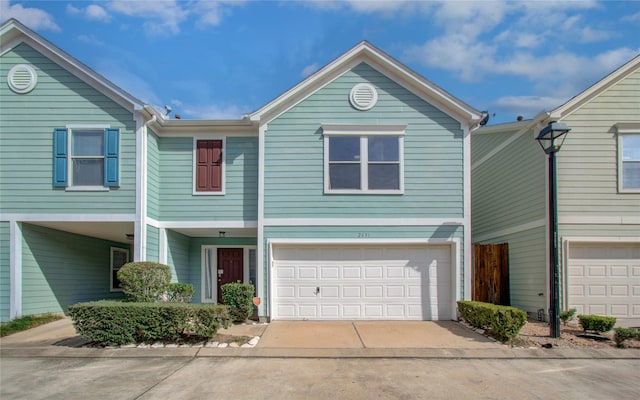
column 491, row 273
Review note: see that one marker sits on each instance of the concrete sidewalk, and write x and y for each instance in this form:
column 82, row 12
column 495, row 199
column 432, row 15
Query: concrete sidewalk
column 307, row 339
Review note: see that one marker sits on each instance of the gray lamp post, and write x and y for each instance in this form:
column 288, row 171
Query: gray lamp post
column 551, row 139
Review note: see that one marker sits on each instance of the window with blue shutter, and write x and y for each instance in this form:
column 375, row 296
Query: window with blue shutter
column 86, row 157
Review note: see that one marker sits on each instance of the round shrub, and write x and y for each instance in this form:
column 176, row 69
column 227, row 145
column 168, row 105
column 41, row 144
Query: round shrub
column 239, row 297
column 144, row 281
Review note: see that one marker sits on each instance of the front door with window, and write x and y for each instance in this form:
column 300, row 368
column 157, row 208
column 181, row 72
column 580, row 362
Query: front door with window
column 230, row 268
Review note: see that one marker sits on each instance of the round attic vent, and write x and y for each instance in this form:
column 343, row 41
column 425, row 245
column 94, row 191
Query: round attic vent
column 363, row 96
column 22, row 78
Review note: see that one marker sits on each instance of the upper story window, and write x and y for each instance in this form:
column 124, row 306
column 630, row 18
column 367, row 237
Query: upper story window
column 629, row 162
column 86, row 157
column 364, row 159
column 208, row 166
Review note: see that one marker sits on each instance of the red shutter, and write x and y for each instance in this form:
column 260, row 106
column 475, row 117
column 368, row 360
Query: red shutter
column 209, row 166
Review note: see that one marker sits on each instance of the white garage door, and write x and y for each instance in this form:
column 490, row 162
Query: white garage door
column 604, row 279
column 362, row 282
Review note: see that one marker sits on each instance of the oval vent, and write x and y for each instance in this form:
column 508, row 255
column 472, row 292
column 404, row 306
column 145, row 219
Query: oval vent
column 22, row 78
column 363, row 96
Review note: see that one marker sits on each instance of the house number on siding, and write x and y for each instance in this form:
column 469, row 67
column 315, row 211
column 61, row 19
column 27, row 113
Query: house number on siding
column 363, row 235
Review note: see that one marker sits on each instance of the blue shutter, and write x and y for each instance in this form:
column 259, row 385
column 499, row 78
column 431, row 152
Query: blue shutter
column 111, row 152
column 60, row 157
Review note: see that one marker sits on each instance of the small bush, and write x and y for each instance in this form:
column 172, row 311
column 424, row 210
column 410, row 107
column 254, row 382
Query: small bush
column 566, row 315
column 624, row 334
column 116, row 323
column 503, row 322
column 596, row 323
column 179, row 293
column 144, row 281
column 239, row 297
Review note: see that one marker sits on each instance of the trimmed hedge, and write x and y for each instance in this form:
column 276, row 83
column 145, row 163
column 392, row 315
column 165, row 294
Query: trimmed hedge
column 596, row 323
column 503, row 322
column 624, row 334
column 239, row 297
column 144, row 281
column 179, row 293
column 110, row 322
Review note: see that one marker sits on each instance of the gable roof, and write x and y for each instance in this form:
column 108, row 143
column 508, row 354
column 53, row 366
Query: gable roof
column 596, row 89
column 383, row 63
column 13, row 33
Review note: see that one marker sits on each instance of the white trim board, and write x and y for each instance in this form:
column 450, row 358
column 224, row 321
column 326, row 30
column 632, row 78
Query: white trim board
column 201, row 224
column 362, row 221
column 69, row 217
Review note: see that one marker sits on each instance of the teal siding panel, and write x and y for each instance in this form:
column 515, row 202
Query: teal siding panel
column 60, row 268
column 294, row 154
column 175, row 192
column 153, row 244
column 509, row 188
column 5, row 282
column 527, row 268
column 178, row 256
column 27, row 122
column 153, row 175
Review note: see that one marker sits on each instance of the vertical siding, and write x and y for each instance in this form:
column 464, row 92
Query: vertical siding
column 153, row 244
column 61, row 268
column 175, row 192
column 178, row 256
column 26, row 131
column 153, row 176
column 508, row 189
column 527, row 268
column 587, row 163
column 4, row 271
column 433, row 152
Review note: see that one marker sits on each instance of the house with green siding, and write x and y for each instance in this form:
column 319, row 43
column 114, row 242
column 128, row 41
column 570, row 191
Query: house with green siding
column 347, row 197
column 598, row 190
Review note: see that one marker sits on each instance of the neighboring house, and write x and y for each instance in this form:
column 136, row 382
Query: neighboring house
column 598, row 175
column 347, row 197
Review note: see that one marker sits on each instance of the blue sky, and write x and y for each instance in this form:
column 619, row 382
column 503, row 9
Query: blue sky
column 222, row 59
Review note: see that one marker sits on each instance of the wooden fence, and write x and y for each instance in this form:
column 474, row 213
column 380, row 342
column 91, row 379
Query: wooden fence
column 491, row 273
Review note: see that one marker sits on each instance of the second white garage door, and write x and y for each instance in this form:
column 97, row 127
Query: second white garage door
column 362, row 282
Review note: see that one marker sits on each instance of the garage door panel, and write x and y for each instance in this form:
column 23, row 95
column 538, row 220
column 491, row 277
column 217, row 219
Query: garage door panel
column 363, row 282
column 604, row 279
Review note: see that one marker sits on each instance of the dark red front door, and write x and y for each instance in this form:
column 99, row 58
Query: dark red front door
column 230, row 262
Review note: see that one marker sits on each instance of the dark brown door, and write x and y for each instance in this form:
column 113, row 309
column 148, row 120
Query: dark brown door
column 230, row 262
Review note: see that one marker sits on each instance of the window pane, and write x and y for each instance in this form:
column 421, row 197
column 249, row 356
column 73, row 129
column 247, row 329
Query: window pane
column 384, row 177
column 88, row 172
column 631, row 147
column 631, row 175
column 383, row 148
column 344, row 148
column 87, row 143
column 344, row 176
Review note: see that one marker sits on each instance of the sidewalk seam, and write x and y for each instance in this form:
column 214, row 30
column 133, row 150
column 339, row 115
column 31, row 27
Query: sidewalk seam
column 355, row 328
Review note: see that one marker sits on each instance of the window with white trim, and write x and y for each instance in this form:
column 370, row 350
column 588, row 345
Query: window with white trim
column 119, row 257
column 629, row 161
column 357, row 161
column 86, row 157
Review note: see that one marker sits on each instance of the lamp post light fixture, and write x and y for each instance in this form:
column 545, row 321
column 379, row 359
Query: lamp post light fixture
column 551, row 139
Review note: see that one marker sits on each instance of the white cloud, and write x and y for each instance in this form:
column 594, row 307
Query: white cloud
column 90, row 39
column 526, row 106
column 631, row 18
column 34, row 18
column 98, row 13
column 309, row 69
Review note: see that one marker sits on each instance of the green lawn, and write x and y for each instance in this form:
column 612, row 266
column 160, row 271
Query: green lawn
column 28, row 322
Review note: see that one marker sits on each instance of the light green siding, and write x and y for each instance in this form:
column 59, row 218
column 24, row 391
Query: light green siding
column 60, row 268
column 27, row 122
column 508, row 189
column 5, row 282
column 527, row 268
column 587, row 163
column 175, row 178
column 178, row 256
column 599, row 230
column 153, row 176
column 294, row 166
column 153, row 244
column 484, row 144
